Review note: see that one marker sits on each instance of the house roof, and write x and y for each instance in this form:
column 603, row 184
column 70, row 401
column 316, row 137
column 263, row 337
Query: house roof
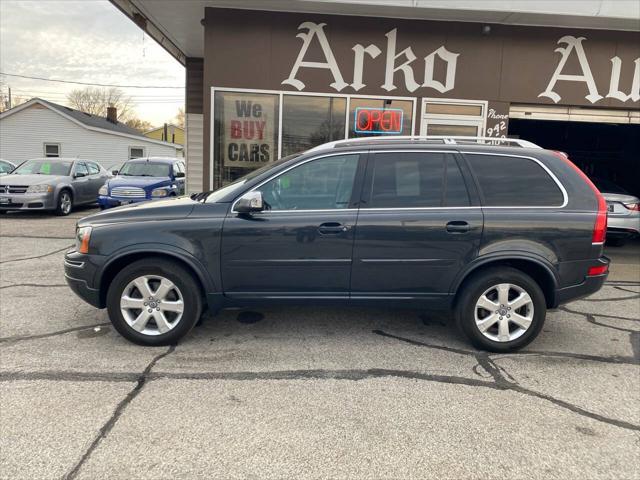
column 93, row 120
column 89, row 121
column 177, row 127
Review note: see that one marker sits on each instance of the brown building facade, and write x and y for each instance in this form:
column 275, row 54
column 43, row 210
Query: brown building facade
column 275, row 83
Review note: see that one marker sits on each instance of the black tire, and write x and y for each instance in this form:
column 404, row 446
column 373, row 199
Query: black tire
column 187, row 285
column 475, row 286
column 62, row 207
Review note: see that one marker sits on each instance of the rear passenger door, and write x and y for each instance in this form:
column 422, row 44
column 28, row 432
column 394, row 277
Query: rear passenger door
column 417, row 226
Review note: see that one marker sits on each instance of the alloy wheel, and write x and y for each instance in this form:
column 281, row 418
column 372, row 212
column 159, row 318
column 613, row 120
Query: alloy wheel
column 152, row 305
column 65, row 203
column 504, row 312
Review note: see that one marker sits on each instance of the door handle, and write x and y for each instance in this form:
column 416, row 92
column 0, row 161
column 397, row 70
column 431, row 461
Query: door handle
column 458, row 226
column 332, row 228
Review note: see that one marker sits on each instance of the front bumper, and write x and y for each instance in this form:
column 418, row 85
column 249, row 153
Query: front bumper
column 79, row 273
column 27, row 201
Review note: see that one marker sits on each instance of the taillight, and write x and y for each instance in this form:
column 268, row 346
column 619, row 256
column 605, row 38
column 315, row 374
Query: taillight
column 600, row 226
column 599, row 270
column 635, row 207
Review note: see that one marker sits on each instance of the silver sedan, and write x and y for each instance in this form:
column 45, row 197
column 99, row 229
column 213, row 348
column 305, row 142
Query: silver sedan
column 55, row 184
column 623, row 212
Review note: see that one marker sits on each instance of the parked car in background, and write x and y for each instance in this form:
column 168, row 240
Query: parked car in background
column 56, row 184
column 6, row 167
column 475, row 229
column 623, row 210
column 143, row 179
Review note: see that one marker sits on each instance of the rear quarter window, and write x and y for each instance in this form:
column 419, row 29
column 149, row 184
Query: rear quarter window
column 509, row 181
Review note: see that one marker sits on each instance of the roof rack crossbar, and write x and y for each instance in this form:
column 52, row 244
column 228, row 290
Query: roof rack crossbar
column 446, row 139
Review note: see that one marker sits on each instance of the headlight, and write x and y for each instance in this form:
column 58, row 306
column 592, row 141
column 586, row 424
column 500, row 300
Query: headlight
column 159, row 192
column 83, row 235
column 40, row 189
column 103, row 190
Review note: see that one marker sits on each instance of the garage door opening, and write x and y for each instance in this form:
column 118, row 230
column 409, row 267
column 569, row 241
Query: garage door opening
column 602, row 150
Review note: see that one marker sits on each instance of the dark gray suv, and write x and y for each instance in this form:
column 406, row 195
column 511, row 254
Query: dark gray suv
column 496, row 234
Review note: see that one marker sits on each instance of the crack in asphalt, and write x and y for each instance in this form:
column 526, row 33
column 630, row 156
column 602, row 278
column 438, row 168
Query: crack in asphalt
column 108, row 426
column 584, row 314
column 21, row 338
column 502, row 380
column 539, row 353
column 624, row 289
column 612, row 299
column 37, row 256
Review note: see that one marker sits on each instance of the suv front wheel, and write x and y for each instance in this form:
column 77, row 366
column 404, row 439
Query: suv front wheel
column 501, row 309
column 154, row 302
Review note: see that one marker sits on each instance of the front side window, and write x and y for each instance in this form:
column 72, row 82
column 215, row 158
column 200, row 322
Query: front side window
column 5, row 167
column 416, row 180
column 93, row 168
column 320, row 184
column 81, row 168
column 514, row 182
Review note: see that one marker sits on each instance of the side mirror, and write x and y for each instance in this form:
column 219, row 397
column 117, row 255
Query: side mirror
column 250, row 202
column 179, row 175
column 80, row 175
column 114, row 172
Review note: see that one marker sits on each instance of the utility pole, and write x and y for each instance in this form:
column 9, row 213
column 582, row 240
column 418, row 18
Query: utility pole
column 9, row 99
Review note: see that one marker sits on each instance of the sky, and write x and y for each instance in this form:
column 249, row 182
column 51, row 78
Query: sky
column 86, row 41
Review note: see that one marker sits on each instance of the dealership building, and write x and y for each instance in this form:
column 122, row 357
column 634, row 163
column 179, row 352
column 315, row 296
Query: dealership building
column 269, row 78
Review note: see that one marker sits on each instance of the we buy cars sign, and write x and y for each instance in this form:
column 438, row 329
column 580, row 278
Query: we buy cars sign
column 249, row 130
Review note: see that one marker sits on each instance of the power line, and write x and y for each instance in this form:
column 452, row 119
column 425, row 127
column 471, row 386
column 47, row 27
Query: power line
column 83, row 83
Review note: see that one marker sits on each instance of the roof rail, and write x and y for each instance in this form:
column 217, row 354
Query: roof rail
column 448, row 140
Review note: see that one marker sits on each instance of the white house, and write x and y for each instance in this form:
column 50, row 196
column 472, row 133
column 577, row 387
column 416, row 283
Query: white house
column 39, row 128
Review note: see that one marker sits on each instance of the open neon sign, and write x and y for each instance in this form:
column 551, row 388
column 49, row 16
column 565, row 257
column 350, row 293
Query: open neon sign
column 386, row 121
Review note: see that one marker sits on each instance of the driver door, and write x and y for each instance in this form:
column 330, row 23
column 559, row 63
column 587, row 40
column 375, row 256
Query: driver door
column 301, row 245
column 82, row 184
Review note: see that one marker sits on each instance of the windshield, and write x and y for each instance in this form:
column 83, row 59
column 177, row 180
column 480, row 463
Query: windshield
column 145, row 169
column 239, row 184
column 45, row 167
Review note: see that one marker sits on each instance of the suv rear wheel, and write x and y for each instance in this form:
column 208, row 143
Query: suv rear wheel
column 501, row 309
column 154, row 302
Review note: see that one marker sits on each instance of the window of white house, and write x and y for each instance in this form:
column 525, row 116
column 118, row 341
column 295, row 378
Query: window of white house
column 136, row 152
column 51, row 149
column 453, row 117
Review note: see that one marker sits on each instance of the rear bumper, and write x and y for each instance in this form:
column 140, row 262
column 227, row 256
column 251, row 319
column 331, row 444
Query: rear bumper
column 589, row 286
column 623, row 226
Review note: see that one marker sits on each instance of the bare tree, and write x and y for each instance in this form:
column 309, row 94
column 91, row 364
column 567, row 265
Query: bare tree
column 96, row 100
column 140, row 125
column 179, row 118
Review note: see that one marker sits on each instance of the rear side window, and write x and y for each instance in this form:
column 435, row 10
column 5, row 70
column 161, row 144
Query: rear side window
column 514, row 182
column 416, row 179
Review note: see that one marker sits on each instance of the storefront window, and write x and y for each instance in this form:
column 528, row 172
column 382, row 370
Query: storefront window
column 372, row 116
column 308, row 121
column 246, row 133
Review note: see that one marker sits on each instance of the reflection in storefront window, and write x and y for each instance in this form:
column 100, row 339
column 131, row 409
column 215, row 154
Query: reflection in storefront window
column 308, row 121
column 246, row 133
column 372, row 116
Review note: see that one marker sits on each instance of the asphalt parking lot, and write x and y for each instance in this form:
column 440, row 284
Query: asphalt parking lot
column 307, row 393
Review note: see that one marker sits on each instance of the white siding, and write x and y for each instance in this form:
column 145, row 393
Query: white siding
column 194, row 141
column 23, row 134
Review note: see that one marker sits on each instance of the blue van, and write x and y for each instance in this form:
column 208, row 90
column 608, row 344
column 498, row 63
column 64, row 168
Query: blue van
column 143, row 179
